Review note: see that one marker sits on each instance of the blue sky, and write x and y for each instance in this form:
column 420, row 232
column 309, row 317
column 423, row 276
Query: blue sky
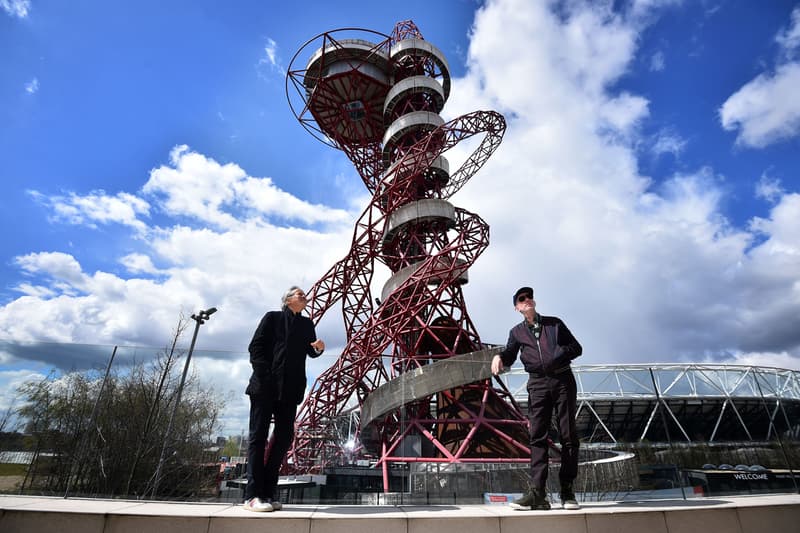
column 647, row 185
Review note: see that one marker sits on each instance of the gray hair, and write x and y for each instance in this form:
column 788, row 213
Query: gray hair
column 288, row 294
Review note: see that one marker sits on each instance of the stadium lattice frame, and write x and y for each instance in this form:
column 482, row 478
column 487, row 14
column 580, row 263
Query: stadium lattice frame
column 689, row 403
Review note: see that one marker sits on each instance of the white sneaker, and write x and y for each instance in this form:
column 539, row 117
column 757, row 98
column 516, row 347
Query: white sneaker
column 568, row 501
column 571, row 504
column 258, row 506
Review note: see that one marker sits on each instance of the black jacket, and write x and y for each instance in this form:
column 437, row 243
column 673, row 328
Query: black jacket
column 554, row 350
column 278, row 355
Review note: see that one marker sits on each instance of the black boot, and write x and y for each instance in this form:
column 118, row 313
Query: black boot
column 533, row 500
column 568, row 500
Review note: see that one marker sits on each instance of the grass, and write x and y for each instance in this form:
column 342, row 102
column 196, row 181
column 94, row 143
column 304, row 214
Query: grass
column 12, row 469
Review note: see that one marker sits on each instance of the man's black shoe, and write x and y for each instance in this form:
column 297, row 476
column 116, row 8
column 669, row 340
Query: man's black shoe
column 568, row 500
column 524, row 503
column 533, row 500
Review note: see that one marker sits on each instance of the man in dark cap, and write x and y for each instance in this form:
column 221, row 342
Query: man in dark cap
column 546, row 347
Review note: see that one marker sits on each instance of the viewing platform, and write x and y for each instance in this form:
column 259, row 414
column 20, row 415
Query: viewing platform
column 739, row 514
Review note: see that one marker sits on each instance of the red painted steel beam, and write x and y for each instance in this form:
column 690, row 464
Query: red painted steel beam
column 424, row 318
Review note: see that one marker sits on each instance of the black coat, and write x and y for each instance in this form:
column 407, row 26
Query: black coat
column 278, row 355
column 555, row 349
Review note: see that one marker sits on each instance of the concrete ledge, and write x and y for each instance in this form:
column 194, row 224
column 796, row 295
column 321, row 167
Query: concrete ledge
column 742, row 514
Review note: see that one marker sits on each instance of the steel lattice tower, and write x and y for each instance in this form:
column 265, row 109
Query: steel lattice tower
column 377, row 98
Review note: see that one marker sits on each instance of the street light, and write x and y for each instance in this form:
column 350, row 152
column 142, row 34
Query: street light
column 199, row 318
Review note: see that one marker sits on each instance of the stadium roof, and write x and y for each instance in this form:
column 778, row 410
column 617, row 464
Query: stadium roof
column 681, row 403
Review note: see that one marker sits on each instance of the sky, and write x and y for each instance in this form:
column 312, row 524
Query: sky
column 647, row 185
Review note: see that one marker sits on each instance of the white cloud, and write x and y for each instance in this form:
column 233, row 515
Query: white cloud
column 138, row 263
column 35, row 290
column 657, row 62
column 642, row 11
column 198, row 187
column 570, row 61
column 242, row 273
column 623, row 113
column 226, row 377
column 10, row 380
column 270, row 62
column 57, row 265
column 782, row 227
column 769, row 359
column 16, row 8
column 271, row 51
column 766, row 109
column 241, row 268
column 668, row 142
column 32, row 87
column 769, row 188
column 605, row 247
column 96, row 207
column 789, row 39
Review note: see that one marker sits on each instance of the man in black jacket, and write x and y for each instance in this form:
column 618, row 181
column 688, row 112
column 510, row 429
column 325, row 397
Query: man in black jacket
column 278, row 353
column 546, row 347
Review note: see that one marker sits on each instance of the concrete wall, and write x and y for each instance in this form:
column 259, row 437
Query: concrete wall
column 768, row 514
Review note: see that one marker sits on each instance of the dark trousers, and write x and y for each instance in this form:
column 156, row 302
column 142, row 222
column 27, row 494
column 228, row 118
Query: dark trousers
column 544, row 394
column 262, row 478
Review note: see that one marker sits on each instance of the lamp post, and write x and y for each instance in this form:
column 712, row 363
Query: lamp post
column 199, row 318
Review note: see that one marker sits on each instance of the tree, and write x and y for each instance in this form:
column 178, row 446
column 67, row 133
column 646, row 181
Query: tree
column 116, row 455
column 7, row 421
column 170, row 356
column 233, row 446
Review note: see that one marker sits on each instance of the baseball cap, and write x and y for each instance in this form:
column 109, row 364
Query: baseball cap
column 522, row 290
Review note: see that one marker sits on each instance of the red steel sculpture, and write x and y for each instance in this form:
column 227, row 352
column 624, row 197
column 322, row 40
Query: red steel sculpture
column 377, row 98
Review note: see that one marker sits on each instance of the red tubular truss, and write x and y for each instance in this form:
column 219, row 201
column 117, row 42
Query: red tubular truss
column 379, row 103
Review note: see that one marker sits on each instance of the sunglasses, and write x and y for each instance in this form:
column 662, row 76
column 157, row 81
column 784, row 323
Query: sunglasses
column 522, row 297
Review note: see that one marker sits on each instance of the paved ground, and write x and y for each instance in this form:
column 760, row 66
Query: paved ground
column 10, row 483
